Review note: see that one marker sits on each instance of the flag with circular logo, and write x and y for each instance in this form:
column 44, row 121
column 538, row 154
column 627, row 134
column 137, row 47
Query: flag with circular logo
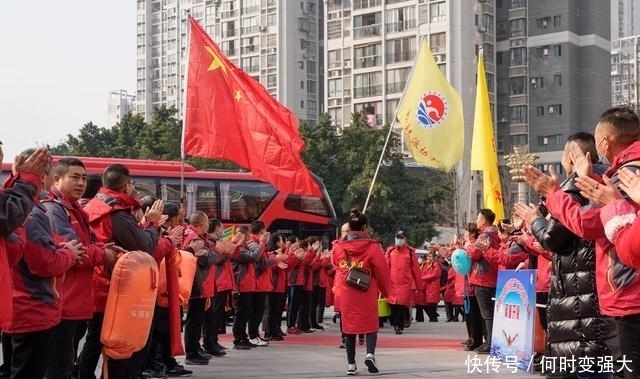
column 430, row 114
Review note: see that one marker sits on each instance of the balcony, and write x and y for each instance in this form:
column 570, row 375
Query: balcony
column 401, row 56
column 400, row 26
column 249, row 49
column 361, row 4
column 229, row 14
column 368, row 91
column 367, row 31
column 229, row 33
column 395, row 87
column 369, row 61
column 250, row 29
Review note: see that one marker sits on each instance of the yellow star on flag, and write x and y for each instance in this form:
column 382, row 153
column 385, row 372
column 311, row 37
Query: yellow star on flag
column 238, row 95
column 217, row 62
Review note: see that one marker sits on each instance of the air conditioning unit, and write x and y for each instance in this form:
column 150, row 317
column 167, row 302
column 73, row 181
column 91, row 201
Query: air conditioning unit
column 482, row 29
column 347, row 63
column 440, row 58
column 262, row 28
column 305, row 56
column 545, row 141
column 551, row 109
column 544, row 23
column 271, row 50
column 545, row 52
column 533, row 81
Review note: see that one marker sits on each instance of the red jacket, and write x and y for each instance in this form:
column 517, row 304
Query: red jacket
column 618, row 285
column 543, row 271
column 17, row 198
column 264, row 268
column 110, row 216
column 71, row 222
column 278, row 277
column 404, row 271
column 450, row 294
column 484, row 270
column 359, row 309
column 38, row 276
column 204, row 280
column 244, row 266
column 313, row 264
column 431, row 277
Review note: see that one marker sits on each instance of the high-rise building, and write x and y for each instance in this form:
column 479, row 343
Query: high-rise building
column 119, row 104
column 553, row 73
column 625, row 71
column 625, row 18
column 547, row 67
column 275, row 41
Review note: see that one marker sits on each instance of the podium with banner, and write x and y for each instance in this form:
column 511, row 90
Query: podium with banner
column 513, row 318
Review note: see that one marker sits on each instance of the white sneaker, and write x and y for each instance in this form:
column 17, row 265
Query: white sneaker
column 352, row 369
column 259, row 341
column 370, row 361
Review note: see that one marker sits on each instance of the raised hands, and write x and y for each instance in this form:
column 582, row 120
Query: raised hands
column 238, row 238
column 76, row 247
column 630, row 183
column 527, row 212
column 35, row 163
column 540, row 182
column 153, row 214
column 264, row 238
column 225, row 247
column 196, row 245
column 176, row 234
column 597, row 193
column 581, row 162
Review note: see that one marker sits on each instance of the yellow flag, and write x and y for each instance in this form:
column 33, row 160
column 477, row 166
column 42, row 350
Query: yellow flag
column 430, row 114
column 484, row 156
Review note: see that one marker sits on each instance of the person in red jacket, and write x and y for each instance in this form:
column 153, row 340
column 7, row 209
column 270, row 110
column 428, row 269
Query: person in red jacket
column 358, row 308
column 70, row 221
column 430, row 274
column 276, row 297
column 37, row 278
column 111, row 215
column 617, row 137
column 405, row 272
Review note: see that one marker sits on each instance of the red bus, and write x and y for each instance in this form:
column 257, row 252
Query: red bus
column 236, row 198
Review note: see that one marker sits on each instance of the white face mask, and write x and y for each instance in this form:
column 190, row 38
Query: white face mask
column 421, row 260
column 399, row 241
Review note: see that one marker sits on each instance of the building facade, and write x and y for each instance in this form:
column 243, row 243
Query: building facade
column 625, row 72
column 277, row 42
column 625, row 18
column 119, row 104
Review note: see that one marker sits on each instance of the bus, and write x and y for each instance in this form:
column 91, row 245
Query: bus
column 236, row 198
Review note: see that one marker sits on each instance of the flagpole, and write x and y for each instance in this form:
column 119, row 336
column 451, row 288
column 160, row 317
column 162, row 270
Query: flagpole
column 470, row 197
column 180, row 95
column 386, row 142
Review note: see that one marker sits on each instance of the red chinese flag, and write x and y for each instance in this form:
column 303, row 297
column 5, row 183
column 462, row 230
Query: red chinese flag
column 231, row 116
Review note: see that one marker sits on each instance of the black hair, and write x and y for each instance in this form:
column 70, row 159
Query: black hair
column 488, row 215
column 62, row 166
column 625, row 124
column 292, row 238
column 213, row 224
column 115, row 176
column 272, row 245
column 94, row 182
column 146, row 202
column 357, row 220
column 257, row 226
column 171, row 209
column 587, row 143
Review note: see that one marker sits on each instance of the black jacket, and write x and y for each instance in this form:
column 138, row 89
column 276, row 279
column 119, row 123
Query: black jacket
column 575, row 326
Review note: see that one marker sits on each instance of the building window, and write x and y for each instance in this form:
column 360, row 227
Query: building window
column 519, row 56
column 518, row 4
column 367, row 85
column 335, row 88
column 537, row 82
column 556, row 21
column 336, row 116
column 302, row 84
column 555, row 109
column 543, row 22
column 487, row 23
column 518, row 85
column 401, row 50
column 392, row 105
column 519, row 27
column 302, row 104
column 367, row 56
column 557, row 80
column 438, row 12
column 539, row 111
column 311, row 86
column 519, row 114
column 438, row 42
column 272, row 80
column 557, row 50
column 334, row 29
column 396, row 79
column 499, row 57
column 519, row 139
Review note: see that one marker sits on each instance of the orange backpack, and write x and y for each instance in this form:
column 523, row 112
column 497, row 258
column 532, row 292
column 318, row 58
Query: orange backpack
column 130, row 305
column 187, row 265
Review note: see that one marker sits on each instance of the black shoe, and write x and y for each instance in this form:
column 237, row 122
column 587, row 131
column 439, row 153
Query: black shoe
column 277, row 338
column 204, row 354
column 343, row 344
column 318, row 327
column 242, row 346
column 249, row 343
column 176, row 371
column 220, row 347
column 152, row 374
column 471, row 347
column 5, row 373
column 307, row 331
column 216, row 352
column 483, row 349
column 196, row 360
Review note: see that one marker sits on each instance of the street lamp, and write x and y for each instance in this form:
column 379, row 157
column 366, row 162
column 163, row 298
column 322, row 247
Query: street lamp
column 516, row 162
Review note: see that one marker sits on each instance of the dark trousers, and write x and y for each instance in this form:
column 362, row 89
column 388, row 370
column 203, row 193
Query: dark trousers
column 316, row 309
column 193, row 326
column 432, row 311
column 275, row 301
column 29, row 354
column 475, row 324
column 62, row 350
column 398, row 315
column 256, row 312
column 484, row 296
column 6, row 353
column 542, row 298
column 161, row 340
column 350, row 341
column 242, row 304
column 295, row 300
column 628, row 332
column 214, row 317
column 420, row 310
column 448, row 310
column 303, row 315
column 92, row 348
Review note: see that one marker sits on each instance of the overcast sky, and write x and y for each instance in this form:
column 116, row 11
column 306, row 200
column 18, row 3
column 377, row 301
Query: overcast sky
column 59, row 61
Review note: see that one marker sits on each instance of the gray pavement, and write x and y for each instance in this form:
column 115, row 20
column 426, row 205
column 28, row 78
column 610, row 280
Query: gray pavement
column 424, row 350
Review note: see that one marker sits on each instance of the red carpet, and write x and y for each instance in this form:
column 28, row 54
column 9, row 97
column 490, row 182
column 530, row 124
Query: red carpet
column 384, row 341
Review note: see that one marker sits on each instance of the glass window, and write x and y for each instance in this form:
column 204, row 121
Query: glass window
column 369, row 84
column 556, row 21
column 306, row 204
column 401, row 50
column 438, row 12
column 519, row 27
column 367, row 56
column 557, row 50
column 519, row 56
column 244, row 202
column 557, row 80
column 335, row 87
column 438, row 42
column 336, row 115
column 396, row 79
column 519, row 114
column 519, row 85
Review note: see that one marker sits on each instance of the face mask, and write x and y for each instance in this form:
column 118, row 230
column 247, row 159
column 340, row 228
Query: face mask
column 421, row 260
column 603, row 160
column 399, row 241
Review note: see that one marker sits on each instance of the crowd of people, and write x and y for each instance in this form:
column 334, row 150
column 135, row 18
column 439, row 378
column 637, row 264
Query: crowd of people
column 63, row 232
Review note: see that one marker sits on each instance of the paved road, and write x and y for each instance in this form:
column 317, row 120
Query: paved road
column 424, row 350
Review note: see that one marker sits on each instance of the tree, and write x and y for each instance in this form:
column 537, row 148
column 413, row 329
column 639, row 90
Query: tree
column 346, row 162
